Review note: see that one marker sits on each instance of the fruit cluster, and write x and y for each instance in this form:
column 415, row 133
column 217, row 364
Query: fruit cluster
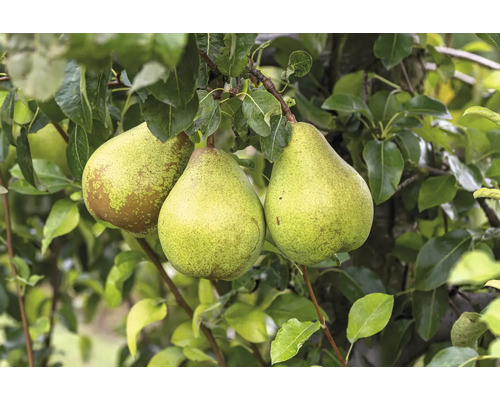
column 210, row 222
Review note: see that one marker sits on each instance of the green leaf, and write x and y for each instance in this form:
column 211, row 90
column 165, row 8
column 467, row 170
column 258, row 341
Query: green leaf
column 199, row 312
column 474, row 268
column 369, row 315
column 165, row 121
column 428, row 308
column 494, row 348
column 299, row 64
column 7, row 116
column 77, row 151
column 438, row 256
column 409, row 144
column 257, row 107
column 355, row 282
column 248, row 321
column 41, row 326
column 49, row 174
column 233, row 58
column 194, row 354
column 25, row 161
column 72, row 97
column 483, row 112
column 150, row 73
column 291, row 305
column 468, row 176
column 385, row 166
column 454, row 357
column 488, row 193
column 121, row 270
column 62, row 219
column 434, row 135
column 97, row 91
column 392, row 48
column 314, row 42
column 85, row 346
column 290, row 339
column 180, row 86
column 346, row 103
column 313, row 113
column 407, row 246
column 67, row 317
column 281, row 133
column 208, row 118
column 435, row 191
column 34, row 63
column 491, row 38
column 183, row 336
column 493, row 283
column 211, row 43
column 491, row 315
column 425, row 105
column 393, row 339
column 4, row 299
column 467, row 330
column 169, row 357
column 205, row 292
column 143, row 313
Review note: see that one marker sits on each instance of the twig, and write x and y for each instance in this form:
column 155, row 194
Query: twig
column 490, row 213
column 61, row 131
column 321, row 318
column 181, row 302
column 20, row 299
column 406, row 183
column 407, row 79
column 269, row 85
column 235, row 90
column 55, row 281
column 465, row 55
column 469, row 80
column 4, row 78
column 210, row 63
column 215, row 284
column 258, row 356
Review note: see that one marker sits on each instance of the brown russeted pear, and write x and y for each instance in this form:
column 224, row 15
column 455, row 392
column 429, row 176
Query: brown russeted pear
column 316, row 204
column 212, row 223
column 127, row 179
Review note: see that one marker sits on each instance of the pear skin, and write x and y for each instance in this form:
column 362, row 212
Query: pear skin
column 316, row 204
column 127, row 179
column 212, row 223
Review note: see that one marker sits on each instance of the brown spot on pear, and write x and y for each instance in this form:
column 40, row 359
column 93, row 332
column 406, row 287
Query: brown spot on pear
column 127, row 179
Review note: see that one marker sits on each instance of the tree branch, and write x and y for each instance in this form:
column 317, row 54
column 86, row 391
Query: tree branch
column 258, row 356
column 490, row 213
column 210, row 63
column 465, row 55
column 269, row 85
column 61, row 131
column 20, row 299
column 407, row 78
column 181, row 302
column 321, row 318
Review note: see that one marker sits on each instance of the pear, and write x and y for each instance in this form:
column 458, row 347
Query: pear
column 316, row 204
column 212, row 223
column 48, row 144
column 127, row 179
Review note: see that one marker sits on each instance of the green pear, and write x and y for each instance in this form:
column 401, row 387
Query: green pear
column 127, row 179
column 48, row 144
column 316, row 204
column 212, row 223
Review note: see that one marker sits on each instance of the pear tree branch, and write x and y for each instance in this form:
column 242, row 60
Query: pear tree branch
column 181, row 301
column 321, row 318
column 20, row 298
column 269, row 85
column 61, row 131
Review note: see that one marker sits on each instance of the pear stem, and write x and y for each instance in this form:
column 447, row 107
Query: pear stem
column 20, row 298
column 180, row 300
column 211, row 141
column 320, row 316
column 269, row 85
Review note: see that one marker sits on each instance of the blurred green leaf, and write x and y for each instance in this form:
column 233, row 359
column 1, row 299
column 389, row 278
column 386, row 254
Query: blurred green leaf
column 169, row 357
column 454, row 357
column 438, row 256
column 143, row 313
column 392, row 48
column 425, row 105
column 488, row 193
column 122, row 270
column 491, row 38
column 435, row 191
column 50, row 176
column 483, row 112
column 467, row 330
column 347, row 103
column 393, row 339
column 355, row 282
column 62, row 219
column 491, row 315
column 248, row 321
column 290, row 305
column 474, row 268
column 194, row 354
column 428, row 308
column 234, row 55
